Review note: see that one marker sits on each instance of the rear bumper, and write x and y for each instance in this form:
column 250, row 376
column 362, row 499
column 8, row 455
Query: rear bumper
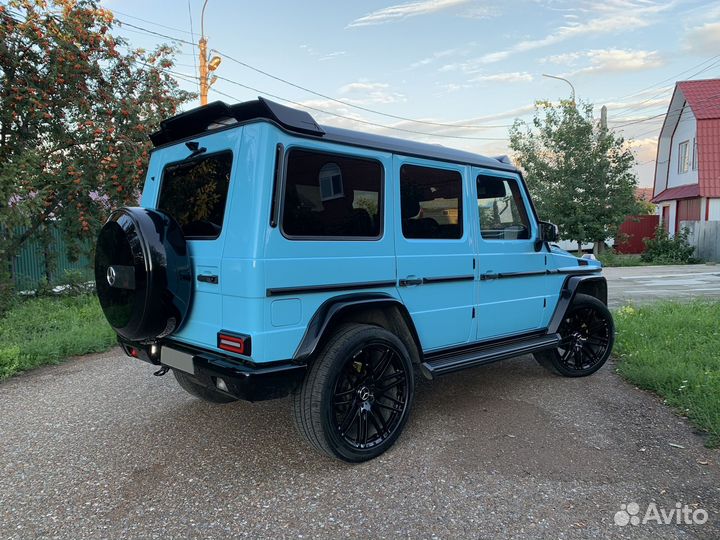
column 246, row 381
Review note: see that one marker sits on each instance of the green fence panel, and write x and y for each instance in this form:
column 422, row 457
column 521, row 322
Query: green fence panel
column 30, row 266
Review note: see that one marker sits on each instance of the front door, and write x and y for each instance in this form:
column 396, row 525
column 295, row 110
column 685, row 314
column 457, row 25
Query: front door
column 512, row 284
column 435, row 259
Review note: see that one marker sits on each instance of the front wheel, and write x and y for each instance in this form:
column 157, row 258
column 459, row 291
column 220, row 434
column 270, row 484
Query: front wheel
column 587, row 335
column 357, row 396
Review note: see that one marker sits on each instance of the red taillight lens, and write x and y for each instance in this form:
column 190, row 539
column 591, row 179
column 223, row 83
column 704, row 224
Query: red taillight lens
column 133, row 352
column 237, row 343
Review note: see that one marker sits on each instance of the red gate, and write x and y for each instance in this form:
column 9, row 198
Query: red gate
column 632, row 232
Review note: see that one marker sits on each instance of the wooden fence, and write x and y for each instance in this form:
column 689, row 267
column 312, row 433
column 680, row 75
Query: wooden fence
column 705, row 236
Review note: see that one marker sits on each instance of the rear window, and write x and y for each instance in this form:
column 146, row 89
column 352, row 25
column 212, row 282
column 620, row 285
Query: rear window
column 194, row 192
column 431, row 203
column 331, row 196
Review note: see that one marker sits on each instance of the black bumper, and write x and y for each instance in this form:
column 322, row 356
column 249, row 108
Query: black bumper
column 246, row 381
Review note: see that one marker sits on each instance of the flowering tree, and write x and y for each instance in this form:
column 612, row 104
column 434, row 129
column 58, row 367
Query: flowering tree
column 77, row 104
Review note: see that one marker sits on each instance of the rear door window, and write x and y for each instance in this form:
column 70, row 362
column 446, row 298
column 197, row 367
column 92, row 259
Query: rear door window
column 194, row 192
column 431, row 202
column 332, row 196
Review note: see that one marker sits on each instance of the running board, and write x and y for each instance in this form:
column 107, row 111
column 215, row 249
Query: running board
column 448, row 362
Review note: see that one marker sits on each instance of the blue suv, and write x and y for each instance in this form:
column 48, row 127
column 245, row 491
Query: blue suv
column 271, row 256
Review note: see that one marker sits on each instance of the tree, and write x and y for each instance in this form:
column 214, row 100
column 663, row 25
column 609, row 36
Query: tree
column 76, row 107
column 580, row 174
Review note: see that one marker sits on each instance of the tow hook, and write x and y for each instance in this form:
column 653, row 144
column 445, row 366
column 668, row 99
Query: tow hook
column 162, row 371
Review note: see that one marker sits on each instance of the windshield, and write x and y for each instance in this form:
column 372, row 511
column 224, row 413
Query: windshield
column 194, row 193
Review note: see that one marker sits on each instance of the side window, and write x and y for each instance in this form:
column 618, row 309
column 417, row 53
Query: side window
column 328, row 195
column 503, row 215
column 430, row 202
column 194, row 193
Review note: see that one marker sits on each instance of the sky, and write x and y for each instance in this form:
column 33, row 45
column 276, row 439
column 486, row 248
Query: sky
column 451, row 72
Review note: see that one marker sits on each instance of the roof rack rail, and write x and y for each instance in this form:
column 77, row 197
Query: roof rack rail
column 200, row 119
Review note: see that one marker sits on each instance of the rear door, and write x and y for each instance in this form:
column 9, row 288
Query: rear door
column 512, row 285
column 193, row 187
column 435, row 263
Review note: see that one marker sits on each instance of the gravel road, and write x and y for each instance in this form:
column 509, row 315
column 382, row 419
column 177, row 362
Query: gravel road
column 99, row 448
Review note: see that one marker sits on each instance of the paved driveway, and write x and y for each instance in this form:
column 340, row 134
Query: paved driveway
column 99, row 448
column 643, row 284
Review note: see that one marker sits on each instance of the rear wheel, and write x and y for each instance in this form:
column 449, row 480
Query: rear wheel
column 587, row 335
column 357, row 396
column 188, row 383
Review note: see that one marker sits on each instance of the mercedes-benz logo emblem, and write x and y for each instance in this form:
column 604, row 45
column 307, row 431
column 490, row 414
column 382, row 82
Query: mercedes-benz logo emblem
column 110, row 276
column 365, row 393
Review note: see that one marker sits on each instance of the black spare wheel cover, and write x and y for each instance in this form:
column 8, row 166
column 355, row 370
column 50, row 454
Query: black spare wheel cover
column 143, row 273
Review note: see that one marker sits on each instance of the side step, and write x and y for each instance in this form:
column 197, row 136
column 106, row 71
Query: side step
column 442, row 363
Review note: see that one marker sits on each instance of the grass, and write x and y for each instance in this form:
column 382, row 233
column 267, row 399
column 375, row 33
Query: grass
column 41, row 331
column 611, row 258
column 673, row 350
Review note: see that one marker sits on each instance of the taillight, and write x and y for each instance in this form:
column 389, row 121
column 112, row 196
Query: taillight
column 237, row 343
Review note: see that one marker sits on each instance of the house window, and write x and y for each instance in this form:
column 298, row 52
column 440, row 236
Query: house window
column 694, row 156
column 684, row 157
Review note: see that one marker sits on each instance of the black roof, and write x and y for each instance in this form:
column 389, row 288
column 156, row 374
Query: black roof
column 218, row 114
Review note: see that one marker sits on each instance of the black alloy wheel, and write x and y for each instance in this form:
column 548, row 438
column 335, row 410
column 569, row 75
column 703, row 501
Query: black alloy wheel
column 371, row 396
column 357, row 396
column 587, row 335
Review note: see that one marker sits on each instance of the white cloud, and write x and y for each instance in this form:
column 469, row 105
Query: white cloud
column 515, row 76
column 367, row 93
column 599, row 18
column 704, row 39
column 403, row 11
column 607, row 61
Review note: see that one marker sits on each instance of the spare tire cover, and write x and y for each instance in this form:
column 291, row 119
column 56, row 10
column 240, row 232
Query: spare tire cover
column 143, row 273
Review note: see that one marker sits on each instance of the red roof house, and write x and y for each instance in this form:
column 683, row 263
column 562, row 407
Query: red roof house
column 687, row 168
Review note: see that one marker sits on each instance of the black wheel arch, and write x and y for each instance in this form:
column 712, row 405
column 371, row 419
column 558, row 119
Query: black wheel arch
column 378, row 309
column 592, row 285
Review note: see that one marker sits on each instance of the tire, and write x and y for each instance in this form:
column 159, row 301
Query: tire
column 588, row 334
column 370, row 370
column 143, row 274
column 191, row 386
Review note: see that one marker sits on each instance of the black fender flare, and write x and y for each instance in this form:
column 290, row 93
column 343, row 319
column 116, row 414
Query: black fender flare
column 571, row 286
column 334, row 307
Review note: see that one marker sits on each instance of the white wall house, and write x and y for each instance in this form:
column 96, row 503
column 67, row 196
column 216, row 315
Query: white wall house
column 687, row 169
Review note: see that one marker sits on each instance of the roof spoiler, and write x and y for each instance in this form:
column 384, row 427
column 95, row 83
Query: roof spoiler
column 200, row 119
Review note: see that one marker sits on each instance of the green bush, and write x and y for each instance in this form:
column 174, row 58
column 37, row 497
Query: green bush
column 663, row 249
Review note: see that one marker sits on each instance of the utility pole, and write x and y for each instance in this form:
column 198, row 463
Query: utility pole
column 206, row 64
column 572, row 88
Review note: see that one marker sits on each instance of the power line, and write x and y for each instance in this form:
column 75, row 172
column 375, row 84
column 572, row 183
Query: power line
column 671, row 78
column 320, row 94
column 358, row 120
column 638, row 105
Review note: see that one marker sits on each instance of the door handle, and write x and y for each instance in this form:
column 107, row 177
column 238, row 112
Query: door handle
column 488, row 276
column 410, row 281
column 208, row 278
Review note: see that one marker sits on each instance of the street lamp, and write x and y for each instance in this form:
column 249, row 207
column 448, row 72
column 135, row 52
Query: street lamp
column 206, row 64
column 561, row 79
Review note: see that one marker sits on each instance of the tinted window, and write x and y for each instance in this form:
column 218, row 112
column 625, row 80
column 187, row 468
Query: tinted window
column 194, row 193
column 430, row 202
column 327, row 195
column 502, row 210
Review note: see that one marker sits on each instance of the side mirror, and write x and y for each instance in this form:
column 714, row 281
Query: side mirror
column 549, row 232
